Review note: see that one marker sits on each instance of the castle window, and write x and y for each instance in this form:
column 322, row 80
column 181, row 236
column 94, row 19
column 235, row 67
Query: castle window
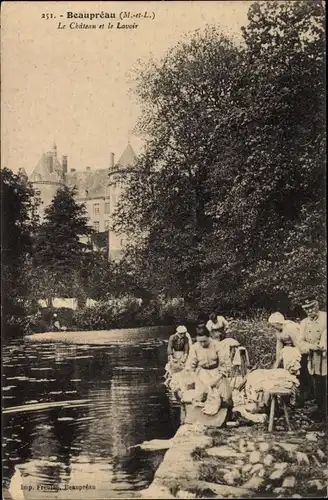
column 96, row 226
column 107, row 208
column 106, row 225
column 107, row 192
column 96, row 209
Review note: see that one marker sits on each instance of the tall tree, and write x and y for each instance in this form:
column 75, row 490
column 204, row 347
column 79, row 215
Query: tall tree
column 226, row 205
column 272, row 217
column 18, row 222
column 61, row 249
column 183, row 97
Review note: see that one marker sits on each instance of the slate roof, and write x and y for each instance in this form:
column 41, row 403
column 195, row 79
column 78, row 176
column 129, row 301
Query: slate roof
column 93, row 181
column 128, row 157
column 48, row 169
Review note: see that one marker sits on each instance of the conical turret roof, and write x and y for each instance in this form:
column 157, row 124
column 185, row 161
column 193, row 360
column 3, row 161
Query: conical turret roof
column 128, row 157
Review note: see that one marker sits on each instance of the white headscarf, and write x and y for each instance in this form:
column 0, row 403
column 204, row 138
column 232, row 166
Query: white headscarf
column 277, row 317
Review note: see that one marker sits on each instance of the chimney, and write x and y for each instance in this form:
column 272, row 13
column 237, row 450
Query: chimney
column 64, row 164
column 73, row 170
column 88, row 169
column 112, row 160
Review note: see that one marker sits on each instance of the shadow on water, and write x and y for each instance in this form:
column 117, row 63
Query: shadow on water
column 92, row 443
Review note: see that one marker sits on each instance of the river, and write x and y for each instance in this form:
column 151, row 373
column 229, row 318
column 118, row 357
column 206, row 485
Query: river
column 119, row 376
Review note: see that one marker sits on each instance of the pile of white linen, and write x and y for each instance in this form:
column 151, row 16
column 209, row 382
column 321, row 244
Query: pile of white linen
column 276, row 380
column 291, row 358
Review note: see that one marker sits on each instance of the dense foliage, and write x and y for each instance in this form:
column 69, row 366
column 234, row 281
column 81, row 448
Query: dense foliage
column 18, row 222
column 225, row 206
column 127, row 311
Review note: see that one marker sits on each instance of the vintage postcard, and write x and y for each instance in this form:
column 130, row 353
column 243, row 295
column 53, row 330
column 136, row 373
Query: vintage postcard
column 163, row 249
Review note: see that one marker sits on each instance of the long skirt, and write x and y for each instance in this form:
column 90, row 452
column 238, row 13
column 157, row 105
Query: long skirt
column 203, row 380
column 177, row 365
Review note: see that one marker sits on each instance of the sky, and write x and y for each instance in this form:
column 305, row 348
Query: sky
column 72, row 87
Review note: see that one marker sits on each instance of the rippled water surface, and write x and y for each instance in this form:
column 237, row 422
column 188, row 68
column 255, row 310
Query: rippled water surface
column 121, row 402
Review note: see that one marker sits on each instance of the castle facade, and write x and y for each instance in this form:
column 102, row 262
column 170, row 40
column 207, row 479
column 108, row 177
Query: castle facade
column 98, row 189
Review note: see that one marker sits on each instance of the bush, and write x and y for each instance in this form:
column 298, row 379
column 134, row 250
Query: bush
column 259, row 339
column 129, row 312
column 148, row 314
column 115, row 313
column 175, row 311
column 15, row 325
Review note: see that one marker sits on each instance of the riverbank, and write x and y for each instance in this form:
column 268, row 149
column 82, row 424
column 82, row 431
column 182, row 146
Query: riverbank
column 100, row 337
column 242, row 462
column 255, row 334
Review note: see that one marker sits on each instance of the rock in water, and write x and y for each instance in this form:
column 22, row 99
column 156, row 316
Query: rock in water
column 254, row 483
column 264, row 447
column 281, row 465
column 311, row 436
column 231, row 477
column 246, row 468
column 239, row 462
column 289, row 482
column 290, row 447
column 156, row 444
column 223, row 451
column 251, row 446
column 315, row 484
column 278, row 491
column 268, row 460
column 302, row 458
column 254, row 457
column 256, row 468
column 277, row 474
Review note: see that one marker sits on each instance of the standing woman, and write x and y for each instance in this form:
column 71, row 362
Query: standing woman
column 287, row 334
column 211, row 380
column 217, row 326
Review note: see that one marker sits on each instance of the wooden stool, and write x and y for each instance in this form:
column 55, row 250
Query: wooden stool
column 275, row 397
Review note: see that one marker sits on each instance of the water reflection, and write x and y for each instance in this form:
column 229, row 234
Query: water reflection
column 93, row 443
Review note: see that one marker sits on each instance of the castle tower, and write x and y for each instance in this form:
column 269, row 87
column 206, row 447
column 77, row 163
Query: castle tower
column 117, row 178
column 47, row 177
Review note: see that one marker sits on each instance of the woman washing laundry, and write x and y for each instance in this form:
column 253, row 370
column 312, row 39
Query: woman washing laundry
column 287, row 335
column 211, row 383
column 217, row 326
column 178, row 350
column 287, row 350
